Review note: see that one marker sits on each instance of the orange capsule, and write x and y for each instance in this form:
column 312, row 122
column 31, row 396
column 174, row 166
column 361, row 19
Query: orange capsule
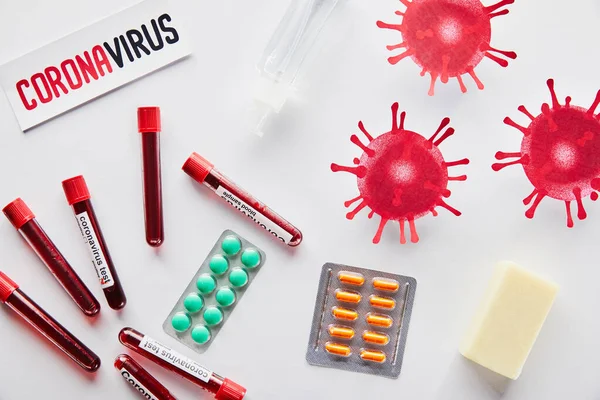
column 338, row 349
column 387, row 285
column 372, row 355
column 344, row 313
column 380, row 320
column 348, row 297
column 376, row 338
column 350, row 278
column 342, row 332
column 382, row 302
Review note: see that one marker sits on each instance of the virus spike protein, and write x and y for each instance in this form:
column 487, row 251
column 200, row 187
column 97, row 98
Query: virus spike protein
column 448, row 38
column 560, row 154
column 401, row 175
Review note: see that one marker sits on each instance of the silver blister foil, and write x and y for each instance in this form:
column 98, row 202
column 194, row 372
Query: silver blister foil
column 381, row 326
column 210, row 300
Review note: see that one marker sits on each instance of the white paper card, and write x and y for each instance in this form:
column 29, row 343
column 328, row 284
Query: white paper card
column 93, row 61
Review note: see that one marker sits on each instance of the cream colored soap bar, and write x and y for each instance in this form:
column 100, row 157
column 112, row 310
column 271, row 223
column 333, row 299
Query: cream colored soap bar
column 509, row 320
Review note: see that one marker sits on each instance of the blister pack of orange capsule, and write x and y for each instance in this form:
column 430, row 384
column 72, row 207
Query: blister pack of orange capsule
column 361, row 320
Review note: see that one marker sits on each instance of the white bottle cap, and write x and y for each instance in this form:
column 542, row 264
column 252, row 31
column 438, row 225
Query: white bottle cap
column 258, row 114
column 269, row 98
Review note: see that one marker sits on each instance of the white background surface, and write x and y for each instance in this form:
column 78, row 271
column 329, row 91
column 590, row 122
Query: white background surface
column 203, row 101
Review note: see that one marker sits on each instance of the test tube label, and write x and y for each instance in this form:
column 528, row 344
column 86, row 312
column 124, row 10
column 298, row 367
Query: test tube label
column 98, row 258
column 172, row 357
column 137, row 385
column 254, row 215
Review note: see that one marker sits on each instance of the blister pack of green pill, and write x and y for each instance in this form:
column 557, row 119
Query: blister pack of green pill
column 213, row 293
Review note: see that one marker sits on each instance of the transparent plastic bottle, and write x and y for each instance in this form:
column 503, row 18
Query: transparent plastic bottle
column 284, row 55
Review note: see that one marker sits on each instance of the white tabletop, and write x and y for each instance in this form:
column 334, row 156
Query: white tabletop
column 203, row 100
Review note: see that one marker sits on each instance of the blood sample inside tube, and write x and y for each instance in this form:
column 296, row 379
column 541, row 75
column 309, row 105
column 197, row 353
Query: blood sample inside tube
column 149, row 128
column 24, row 221
column 60, row 268
column 141, row 380
column 203, row 172
column 25, row 307
column 222, row 388
column 78, row 196
column 115, row 296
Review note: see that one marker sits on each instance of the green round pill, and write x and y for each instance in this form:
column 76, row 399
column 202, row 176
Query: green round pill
column 225, row 296
column 200, row 334
column 206, row 284
column 238, row 277
column 213, row 316
column 193, row 302
column 218, row 264
column 251, row 258
column 181, row 322
column 231, row 245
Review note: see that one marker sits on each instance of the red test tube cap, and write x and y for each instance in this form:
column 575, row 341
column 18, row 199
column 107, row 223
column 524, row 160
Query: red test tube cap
column 7, row 286
column 230, row 391
column 18, row 213
column 148, row 119
column 197, row 167
column 76, row 189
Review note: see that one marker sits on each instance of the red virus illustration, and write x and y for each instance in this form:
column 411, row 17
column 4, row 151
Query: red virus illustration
column 401, row 175
column 448, row 38
column 560, row 154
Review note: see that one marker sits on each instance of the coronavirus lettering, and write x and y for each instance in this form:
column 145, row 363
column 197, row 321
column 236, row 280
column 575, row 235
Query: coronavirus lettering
column 137, row 385
column 101, row 60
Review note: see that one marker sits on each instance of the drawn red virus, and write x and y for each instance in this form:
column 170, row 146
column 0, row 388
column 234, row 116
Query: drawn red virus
column 560, row 154
column 448, row 38
column 401, row 175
